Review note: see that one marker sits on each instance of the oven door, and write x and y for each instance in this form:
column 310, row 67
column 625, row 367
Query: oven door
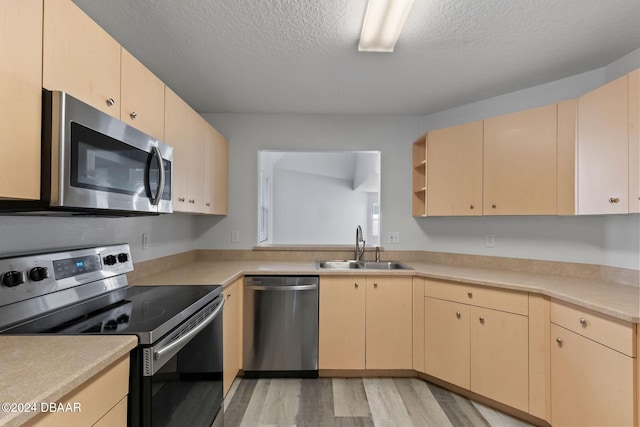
column 181, row 376
column 99, row 162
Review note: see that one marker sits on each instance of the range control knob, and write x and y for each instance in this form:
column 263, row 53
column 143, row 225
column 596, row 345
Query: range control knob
column 38, row 274
column 123, row 257
column 110, row 259
column 12, row 278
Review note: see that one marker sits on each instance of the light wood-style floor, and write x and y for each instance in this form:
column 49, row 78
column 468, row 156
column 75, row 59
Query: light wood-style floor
column 354, row 402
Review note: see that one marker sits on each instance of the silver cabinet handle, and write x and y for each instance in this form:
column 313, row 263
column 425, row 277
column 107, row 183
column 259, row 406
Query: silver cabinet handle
column 493, row 205
column 133, row 115
column 181, row 199
column 559, row 341
column 583, row 321
column 192, row 201
column 470, row 294
column 229, row 295
column 281, row 288
column 111, row 102
column 458, row 314
column 481, row 319
column 356, row 285
column 614, row 199
column 375, row 285
column 471, row 206
column 208, row 204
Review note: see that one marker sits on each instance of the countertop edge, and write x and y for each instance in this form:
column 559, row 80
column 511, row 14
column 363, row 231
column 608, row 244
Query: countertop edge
column 516, row 281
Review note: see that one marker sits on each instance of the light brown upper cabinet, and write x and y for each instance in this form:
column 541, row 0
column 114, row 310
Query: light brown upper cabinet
column 454, row 172
column 596, row 172
column 142, row 103
column 79, row 57
column 603, row 149
column 216, row 172
column 520, row 163
column 185, row 131
column 634, row 141
column 419, row 164
column 21, row 90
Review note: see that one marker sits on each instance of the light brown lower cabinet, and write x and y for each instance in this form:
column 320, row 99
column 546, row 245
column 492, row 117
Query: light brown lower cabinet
column 102, row 401
column 365, row 323
column 499, row 356
column 232, row 333
column 447, row 341
column 591, row 384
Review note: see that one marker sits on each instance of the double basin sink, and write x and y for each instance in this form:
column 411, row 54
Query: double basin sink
column 365, row 265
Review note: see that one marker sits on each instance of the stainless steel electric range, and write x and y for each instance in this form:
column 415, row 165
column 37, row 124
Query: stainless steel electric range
column 176, row 370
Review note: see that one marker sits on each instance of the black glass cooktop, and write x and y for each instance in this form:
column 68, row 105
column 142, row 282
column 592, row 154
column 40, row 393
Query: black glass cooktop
column 146, row 311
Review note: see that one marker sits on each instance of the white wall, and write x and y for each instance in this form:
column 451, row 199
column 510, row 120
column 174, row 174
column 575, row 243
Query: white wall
column 301, row 215
column 607, row 240
column 168, row 234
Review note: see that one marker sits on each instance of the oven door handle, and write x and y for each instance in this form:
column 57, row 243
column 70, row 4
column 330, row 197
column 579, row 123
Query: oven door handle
column 186, row 337
column 160, row 189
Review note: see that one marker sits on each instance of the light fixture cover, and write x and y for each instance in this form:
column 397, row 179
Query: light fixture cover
column 383, row 22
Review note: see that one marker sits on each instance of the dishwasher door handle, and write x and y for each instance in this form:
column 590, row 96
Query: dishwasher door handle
column 282, row 288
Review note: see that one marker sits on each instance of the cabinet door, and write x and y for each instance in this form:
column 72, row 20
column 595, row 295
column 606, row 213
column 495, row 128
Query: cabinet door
column 500, row 356
column 342, row 323
column 232, row 333
column 520, row 163
column 603, row 149
column 446, row 343
column 185, row 131
column 216, row 172
column 634, row 141
column 142, row 103
column 454, row 170
column 591, row 385
column 389, row 318
column 79, row 57
column 20, row 87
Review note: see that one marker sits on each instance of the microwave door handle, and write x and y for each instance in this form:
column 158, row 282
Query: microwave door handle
column 160, row 189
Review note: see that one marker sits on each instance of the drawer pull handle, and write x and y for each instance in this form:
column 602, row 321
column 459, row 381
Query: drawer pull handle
column 614, row 199
column 356, row 285
column 133, row 115
column 470, row 294
column 583, row 321
column 458, row 314
column 471, row 206
column 181, row 199
column 229, row 295
column 493, row 205
column 111, row 102
column 375, row 285
column 192, row 201
column 559, row 341
column 481, row 319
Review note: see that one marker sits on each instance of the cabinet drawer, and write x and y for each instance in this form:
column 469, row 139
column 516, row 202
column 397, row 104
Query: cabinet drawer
column 498, row 299
column 614, row 333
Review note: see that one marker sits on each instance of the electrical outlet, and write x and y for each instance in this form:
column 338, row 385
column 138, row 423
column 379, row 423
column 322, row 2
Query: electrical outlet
column 394, row 237
column 235, row 236
column 145, row 241
column 490, row 240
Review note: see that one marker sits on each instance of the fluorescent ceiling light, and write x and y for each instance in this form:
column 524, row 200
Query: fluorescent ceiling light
column 382, row 25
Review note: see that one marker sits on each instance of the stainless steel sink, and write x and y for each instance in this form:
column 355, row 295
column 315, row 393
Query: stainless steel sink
column 341, row 264
column 386, row 265
column 367, row 265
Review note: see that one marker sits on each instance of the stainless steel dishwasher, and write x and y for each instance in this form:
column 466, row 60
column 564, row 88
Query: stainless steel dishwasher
column 280, row 326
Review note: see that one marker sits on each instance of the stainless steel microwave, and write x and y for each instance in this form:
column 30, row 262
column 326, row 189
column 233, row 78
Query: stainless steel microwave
column 94, row 164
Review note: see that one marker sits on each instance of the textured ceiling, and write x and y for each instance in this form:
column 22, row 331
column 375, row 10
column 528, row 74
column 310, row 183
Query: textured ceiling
column 300, row 56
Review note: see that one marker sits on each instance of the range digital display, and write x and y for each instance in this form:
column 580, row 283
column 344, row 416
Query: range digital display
column 70, row 267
